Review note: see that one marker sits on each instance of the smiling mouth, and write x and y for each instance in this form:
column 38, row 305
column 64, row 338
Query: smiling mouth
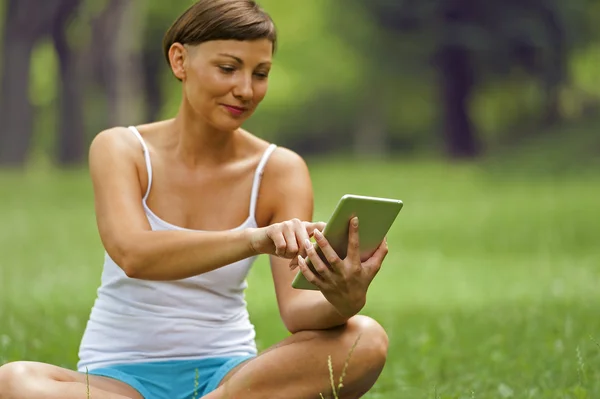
column 235, row 110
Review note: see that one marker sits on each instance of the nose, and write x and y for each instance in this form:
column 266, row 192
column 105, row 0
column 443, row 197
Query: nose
column 243, row 89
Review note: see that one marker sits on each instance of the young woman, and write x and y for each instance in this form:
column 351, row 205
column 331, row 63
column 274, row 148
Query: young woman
column 183, row 207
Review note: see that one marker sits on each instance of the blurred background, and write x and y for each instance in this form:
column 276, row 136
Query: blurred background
column 482, row 116
column 450, row 78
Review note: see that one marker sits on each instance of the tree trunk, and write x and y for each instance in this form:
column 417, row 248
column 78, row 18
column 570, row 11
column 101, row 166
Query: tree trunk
column 16, row 112
column 152, row 62
column 71, row 137
column 456, row 82
column 123, row 71
column 26, row 22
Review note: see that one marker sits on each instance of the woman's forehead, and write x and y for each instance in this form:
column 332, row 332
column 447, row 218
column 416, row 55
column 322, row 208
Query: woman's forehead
column 254, row 51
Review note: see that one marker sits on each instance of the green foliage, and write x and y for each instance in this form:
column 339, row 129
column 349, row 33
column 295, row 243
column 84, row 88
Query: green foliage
column 332, row 56
column 44, row 71
column 43, row 95
column 335, row 65
column 519, row 49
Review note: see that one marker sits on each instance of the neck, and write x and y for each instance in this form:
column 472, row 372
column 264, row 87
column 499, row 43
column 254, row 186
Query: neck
column 198, row 143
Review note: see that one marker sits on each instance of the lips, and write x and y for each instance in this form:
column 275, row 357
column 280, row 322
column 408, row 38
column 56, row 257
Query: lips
column 234, row 110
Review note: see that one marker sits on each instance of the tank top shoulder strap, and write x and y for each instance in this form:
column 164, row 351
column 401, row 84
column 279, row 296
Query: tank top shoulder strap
column 146, row 157
column 258, row 178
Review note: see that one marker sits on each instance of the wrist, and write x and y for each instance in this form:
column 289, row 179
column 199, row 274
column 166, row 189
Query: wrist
column 250, row 240
column 350, row 308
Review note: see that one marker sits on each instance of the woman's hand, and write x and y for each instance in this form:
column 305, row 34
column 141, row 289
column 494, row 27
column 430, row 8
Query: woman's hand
column 285, row 239
column 344, row 283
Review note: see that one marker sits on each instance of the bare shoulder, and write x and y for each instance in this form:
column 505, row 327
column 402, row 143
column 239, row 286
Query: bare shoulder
column 281, row 159
column 285, row 164
column 287, row 188
column 116, row 154
column 117, row 141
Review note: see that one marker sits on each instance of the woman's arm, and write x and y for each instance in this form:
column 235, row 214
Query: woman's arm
column 343, row 291
column 288, row 189
column 166, row 255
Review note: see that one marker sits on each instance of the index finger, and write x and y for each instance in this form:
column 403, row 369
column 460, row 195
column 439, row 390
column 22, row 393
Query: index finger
column 303, row 233
column 312, row 226
column 329, row 253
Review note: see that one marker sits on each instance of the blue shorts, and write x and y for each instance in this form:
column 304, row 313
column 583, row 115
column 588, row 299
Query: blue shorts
column 173, row 379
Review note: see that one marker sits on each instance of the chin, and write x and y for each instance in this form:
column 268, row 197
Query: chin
column 228, row 123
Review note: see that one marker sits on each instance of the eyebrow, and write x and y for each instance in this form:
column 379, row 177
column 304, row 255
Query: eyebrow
column 240, row 60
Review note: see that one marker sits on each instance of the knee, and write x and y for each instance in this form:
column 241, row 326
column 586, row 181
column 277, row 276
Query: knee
column 370, row 339
column 10, row 375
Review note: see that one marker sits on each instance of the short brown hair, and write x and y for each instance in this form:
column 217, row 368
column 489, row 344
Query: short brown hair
column 209, row 20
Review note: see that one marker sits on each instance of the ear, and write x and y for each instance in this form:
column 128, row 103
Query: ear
column 177, row 58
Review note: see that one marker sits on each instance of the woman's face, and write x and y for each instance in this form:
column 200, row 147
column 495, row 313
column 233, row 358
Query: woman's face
column 223, row 80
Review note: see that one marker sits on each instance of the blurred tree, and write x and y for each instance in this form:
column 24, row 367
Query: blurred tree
column 111, row 58
column 115, row 55
column 366, row 77
column 26, row 22
column 160, row 15
column 469, row 40
column 70, row 143
column 124, row 70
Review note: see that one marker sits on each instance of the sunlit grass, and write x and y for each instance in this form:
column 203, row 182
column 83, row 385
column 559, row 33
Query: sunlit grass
column 490, row 289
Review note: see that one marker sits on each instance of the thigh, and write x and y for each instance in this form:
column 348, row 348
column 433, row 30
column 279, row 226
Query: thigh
column 302, row 336
column 298, row 366
column 26, row 370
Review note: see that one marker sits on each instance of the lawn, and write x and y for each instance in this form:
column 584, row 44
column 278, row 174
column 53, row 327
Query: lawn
column 491, row 288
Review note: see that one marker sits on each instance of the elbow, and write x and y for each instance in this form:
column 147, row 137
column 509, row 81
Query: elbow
column 292, row 324
column 300, row 315
column 288, row 321
column 133, row 264
column 130, row 267
column 128, row 249
column 128, row 260
column 292, row 327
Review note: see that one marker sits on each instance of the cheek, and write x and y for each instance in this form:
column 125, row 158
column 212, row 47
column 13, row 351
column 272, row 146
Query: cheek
column 213, row 83
column 204, row 87
column 260, row 91
column 195, row 95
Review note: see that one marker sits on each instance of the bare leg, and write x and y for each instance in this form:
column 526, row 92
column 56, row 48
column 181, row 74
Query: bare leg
column 32, row 380
column 297, row 367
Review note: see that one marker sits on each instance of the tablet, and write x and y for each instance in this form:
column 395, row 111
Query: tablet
column 375, row 215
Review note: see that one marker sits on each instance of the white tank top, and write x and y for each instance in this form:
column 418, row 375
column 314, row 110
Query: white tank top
column 204, row 316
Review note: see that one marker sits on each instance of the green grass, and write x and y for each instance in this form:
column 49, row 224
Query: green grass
column 491, row 288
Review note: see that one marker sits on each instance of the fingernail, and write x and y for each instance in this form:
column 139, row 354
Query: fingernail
column 300, row 262
column 355, row 221
column 317, row 233
column 307, row 243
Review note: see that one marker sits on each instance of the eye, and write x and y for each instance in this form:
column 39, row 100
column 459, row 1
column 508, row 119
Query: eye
column 261, row 75
column 226, row 68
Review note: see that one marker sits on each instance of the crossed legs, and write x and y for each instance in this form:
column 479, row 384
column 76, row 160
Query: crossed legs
column 295, row 368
